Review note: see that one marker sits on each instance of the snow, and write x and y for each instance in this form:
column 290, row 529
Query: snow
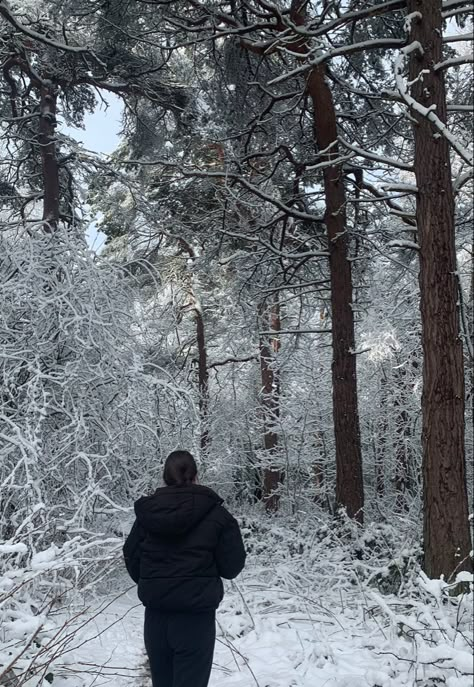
column 9, row 15
column 44, row 559
column 454, row 61
column 6, row 548
column 317, row 605
column 409, row 188
column 413, row 16
column 429, row 112
column 24, row 626
column 465, row 576
column 399, row 243
column 382, row 159
column 275, row 638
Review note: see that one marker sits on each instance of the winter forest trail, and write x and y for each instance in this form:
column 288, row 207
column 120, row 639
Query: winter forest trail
column 276, row 648
column 273, row 639
column 263, row 254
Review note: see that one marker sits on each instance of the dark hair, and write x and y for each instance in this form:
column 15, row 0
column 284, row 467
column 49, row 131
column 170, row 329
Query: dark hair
column 180, row 469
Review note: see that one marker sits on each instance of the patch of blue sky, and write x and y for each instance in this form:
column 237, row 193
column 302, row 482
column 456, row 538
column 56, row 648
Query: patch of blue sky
column 101, row 134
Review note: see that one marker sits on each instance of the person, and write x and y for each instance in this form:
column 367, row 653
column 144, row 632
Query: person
column 182, row 543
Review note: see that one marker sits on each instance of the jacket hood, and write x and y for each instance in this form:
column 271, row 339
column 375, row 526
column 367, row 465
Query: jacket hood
column 174, row 511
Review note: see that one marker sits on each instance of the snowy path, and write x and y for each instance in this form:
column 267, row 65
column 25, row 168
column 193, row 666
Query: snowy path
column 276, row 650
column 264, row 642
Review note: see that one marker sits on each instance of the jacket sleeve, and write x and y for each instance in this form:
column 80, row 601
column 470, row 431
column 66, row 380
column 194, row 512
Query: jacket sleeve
column 132, row 551
column 230, row 553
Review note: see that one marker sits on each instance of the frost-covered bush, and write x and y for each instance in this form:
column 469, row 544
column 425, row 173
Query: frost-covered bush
column 77, row 434
column 429, row 632
column 380, row 555
column 333, row 602
column 36, row 635
column 77, row 412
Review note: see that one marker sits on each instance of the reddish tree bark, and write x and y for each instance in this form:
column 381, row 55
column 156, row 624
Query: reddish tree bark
column 381, row 446
column 349, row 477
column 470, row 333
column 49, row 162
column 447, row 541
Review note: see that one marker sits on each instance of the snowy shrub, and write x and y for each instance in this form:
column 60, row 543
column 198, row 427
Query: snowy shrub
column 73, row 386
column 378, row 555
column 324, row 601
column 430, row 631
column 36, row 634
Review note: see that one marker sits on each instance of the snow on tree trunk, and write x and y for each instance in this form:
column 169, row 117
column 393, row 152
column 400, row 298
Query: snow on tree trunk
column 446, row 527
column 203, row 371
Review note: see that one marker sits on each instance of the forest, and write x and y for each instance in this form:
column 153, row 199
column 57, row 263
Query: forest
column 285, row 289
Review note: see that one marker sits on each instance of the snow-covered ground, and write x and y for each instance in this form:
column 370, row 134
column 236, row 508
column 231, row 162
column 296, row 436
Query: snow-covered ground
column 317, row 606
column 272, row 638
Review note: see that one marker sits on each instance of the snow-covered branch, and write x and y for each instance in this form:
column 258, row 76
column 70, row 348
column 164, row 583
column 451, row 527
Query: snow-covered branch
column 381, row 159
column 324, row 55
column 421, row 110
column 8, row 15
column 454, row 62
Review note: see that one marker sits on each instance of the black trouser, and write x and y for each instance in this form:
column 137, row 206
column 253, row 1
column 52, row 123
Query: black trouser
column 180, row 647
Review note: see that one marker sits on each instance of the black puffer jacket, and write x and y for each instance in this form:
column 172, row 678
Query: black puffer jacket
column 182, row 543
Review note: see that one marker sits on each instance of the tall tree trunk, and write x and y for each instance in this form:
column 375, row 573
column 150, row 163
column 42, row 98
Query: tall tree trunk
column 203, row 370
column 402, row 438
column 471, row 335
column 447, row 540
column 269, row 349
column 381, row 440
column 349, row 477
column 379, row 468
column 203, row 376
column 49, row 162
column 467, row 310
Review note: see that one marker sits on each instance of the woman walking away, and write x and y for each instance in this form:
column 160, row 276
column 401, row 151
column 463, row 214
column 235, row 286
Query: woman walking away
column 182, row 543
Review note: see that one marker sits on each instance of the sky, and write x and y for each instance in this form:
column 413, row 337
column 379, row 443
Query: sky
column 101, row 135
